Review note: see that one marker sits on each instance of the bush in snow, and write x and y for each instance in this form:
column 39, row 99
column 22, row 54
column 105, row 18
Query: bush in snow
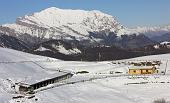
column 161, row 101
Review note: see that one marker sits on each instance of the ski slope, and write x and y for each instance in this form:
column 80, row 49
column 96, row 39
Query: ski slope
column 17, row 66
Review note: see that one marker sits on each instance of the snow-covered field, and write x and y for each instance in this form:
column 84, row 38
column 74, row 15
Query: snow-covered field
column 17, row 66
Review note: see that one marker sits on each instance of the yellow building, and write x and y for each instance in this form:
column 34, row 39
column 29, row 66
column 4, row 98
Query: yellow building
column 142, row 70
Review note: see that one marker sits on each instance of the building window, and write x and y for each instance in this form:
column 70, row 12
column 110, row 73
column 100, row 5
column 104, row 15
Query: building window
column 147, row 71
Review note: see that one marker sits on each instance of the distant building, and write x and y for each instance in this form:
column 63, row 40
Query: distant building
column 156, row 46
column 135, row 70
column 31, row 85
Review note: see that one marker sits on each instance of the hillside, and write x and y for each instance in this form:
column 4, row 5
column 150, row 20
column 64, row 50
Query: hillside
column 18, row 66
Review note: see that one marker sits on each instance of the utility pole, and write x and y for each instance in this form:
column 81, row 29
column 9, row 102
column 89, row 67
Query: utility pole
column 99, row 56
column 166, row 66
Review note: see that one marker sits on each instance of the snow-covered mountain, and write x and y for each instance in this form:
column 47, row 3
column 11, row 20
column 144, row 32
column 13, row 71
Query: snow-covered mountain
column 85, row 29
column 155, row 33
column 53, row 23
column 88, row 27
column 152, row 32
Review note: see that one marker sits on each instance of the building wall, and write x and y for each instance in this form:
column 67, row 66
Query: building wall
column 147, row 71
column 51, row 81
column 134, row 71
column 40, row 84
column 141, row 71
column 23, row 89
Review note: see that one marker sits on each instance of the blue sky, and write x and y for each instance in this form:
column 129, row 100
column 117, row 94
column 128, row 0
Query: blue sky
column 130, row 13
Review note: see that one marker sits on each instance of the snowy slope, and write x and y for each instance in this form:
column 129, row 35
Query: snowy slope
column 19, row 66
column 112, row 90
column 9, row 55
